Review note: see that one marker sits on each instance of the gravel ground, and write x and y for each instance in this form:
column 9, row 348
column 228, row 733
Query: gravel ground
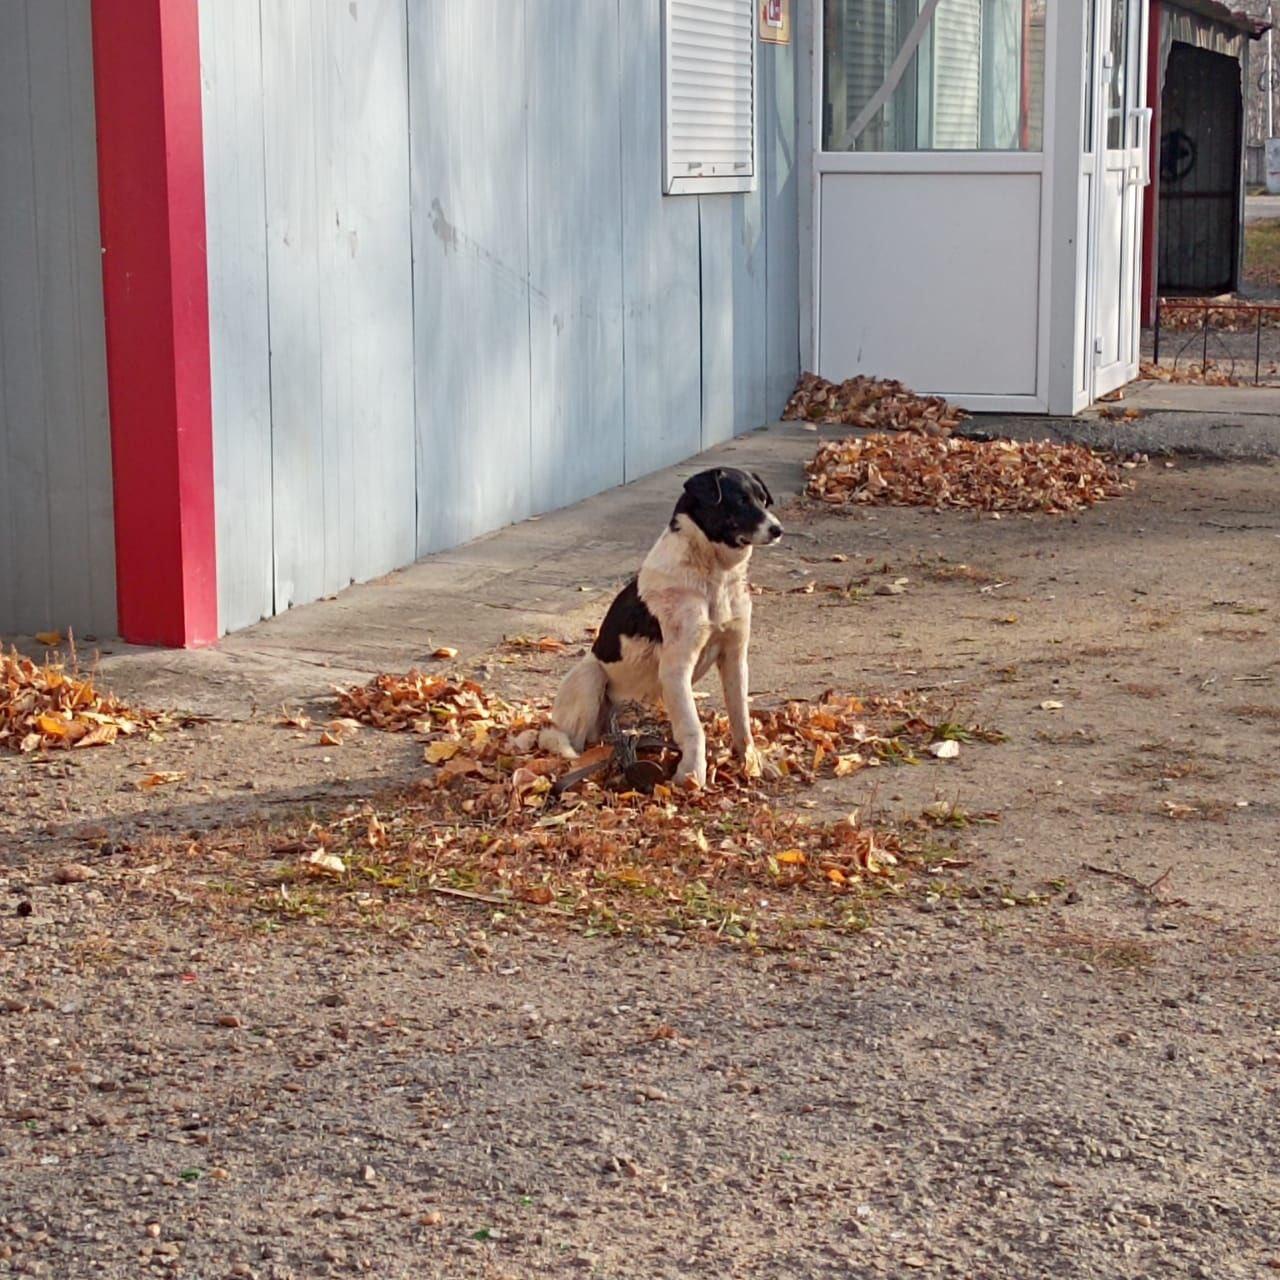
column 1084, row 1087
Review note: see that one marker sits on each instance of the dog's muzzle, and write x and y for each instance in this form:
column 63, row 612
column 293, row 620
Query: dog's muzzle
column 768, row 532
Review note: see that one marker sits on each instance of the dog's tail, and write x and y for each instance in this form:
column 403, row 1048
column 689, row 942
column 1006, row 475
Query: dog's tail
column 578, row 714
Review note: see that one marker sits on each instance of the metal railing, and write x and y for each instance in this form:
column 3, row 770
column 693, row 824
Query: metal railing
column 1202, row 333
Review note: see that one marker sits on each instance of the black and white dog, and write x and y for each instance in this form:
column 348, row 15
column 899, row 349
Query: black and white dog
column 689, row 607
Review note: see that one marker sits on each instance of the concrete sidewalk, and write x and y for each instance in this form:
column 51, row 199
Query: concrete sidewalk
column 1213, row 437
column 1217, row 424
column 521, row 579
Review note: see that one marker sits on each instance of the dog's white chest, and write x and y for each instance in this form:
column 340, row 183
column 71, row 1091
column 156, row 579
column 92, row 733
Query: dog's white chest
column 720, row 605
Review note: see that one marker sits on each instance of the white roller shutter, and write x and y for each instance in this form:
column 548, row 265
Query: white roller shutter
column 710, row 72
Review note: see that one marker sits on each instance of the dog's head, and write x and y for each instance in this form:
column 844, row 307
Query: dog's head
column 731, row 507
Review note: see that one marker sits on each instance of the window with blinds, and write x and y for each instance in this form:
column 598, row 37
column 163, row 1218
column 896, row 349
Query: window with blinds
column 972, row 78
column 709, row 116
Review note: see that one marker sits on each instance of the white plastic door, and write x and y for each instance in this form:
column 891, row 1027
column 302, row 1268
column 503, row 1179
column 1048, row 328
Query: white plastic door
column 1121, row 130
column 931, row 194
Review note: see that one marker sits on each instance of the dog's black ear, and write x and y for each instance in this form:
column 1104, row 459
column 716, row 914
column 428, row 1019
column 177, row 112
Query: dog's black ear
column 705, row 487
column 768, row 497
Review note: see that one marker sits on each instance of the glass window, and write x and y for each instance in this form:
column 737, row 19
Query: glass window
column 1117, row 79
column 911, row 75
column 1089, row 77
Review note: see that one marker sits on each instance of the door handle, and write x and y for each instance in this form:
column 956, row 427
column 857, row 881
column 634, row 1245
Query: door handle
column 1141, row 171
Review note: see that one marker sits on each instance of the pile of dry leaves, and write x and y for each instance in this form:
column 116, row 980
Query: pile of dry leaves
column 494, row 819
column 924, row 464
column 878, row 404
column 987, row 475
column 1211, row 374
column 51, row 704
column 423, row 702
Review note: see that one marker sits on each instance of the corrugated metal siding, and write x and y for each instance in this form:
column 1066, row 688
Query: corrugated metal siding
column 571, row 327
column 57, row 546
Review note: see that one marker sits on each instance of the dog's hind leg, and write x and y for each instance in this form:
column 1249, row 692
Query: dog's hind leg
column 580, row 708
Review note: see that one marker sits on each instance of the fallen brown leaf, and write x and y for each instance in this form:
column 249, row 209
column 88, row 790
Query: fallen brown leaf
column 73, row 873
column 161, row 778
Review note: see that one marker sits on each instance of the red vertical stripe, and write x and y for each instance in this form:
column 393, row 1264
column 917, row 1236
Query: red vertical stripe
column 151, row 192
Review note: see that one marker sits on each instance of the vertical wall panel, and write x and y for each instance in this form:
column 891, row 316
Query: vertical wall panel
column 661, row 285
column 781, row 180
column 471, row 270
column 575, row 249
column 293, row 92
column 57, row 557
column 733, row 314
column 239, row 341
column 341, row 305
column 25, row 590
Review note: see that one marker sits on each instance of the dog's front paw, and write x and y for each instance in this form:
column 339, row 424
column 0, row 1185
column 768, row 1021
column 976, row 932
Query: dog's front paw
column 556, row 742
column 693, row 776
column 752, row 764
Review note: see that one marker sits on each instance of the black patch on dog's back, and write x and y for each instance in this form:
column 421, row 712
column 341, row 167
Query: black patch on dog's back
column 628, row 616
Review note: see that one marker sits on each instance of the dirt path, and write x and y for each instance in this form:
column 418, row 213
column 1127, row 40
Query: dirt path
column 1079, row 1088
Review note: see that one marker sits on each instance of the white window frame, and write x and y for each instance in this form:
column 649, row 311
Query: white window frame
column 710, row 184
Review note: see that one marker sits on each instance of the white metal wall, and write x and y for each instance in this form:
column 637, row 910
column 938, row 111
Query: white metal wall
column 447, row 290
column 57, row 549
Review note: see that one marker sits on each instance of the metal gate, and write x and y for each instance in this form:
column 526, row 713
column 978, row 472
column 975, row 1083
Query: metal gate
column 1200, row 172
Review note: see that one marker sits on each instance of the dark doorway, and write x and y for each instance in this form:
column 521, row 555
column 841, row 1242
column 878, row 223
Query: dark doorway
column 1200, row 140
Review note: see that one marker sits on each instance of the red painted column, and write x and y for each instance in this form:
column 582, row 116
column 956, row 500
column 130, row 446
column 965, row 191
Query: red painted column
column 146, row 56
column 1151, row 196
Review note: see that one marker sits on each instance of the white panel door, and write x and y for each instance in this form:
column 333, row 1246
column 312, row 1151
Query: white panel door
column 930, row 204
column 950, row 305
column 1121, row 131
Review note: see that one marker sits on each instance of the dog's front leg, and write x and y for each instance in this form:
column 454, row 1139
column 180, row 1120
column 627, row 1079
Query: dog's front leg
column 675, row 670
column 732, row 662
